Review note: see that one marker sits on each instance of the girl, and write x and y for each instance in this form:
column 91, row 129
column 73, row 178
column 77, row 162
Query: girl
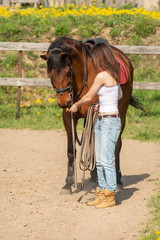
column 108, row 126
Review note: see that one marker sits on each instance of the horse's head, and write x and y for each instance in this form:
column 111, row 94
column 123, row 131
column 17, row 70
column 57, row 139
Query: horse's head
column 59, row 69
column 62, row 63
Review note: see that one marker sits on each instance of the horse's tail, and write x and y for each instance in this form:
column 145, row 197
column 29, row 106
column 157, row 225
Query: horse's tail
column 134, row 101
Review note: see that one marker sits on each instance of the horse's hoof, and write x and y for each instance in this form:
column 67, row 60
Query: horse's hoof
column 65, row 191
column 119, row 187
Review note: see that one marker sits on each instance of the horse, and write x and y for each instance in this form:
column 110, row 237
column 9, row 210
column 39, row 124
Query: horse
column 72, row 72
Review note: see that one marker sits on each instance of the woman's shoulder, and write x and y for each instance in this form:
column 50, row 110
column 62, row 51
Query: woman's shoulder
column 102, row 76
column 106, row 78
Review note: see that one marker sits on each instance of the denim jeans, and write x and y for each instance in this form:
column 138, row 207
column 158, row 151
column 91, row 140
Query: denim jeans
column 107, row 131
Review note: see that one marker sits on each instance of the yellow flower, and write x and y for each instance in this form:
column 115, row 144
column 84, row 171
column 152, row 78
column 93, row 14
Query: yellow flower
column 158, row 232
column 38, row 101
column 51, row 100
column 75, row 11
column 37, row 113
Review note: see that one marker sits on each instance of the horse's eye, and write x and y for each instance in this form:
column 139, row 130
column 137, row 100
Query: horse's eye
column 68, row 74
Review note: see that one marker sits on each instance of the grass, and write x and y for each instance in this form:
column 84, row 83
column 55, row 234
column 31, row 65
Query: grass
column 140, row 125
column 33, row 117
column 152, row 229
column 22, row 26
column 39, row 110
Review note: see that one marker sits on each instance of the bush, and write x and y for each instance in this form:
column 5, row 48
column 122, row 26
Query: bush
column 144, row 26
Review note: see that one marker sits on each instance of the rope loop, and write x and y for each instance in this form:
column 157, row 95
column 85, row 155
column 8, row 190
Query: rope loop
column 87, row 159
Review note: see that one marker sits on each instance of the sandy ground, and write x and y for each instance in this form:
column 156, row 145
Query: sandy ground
column 32, row 172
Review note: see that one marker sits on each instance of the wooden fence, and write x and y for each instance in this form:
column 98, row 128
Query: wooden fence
column 14, row 2
column 147, row 4
column 42, row 47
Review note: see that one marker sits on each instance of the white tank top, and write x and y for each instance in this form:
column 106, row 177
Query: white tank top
column 108, row 99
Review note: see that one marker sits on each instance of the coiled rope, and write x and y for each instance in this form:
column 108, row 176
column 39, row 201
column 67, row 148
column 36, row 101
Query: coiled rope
column 87, row 159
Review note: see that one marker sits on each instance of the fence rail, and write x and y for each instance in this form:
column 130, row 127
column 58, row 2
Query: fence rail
column 42, row 82
column 40, row 47
column 147, row 4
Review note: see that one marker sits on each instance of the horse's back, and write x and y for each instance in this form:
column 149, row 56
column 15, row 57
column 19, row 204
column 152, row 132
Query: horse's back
column 122, row 58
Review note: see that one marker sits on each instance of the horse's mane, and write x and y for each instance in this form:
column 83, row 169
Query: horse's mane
column 55, row 61
column 59, row 43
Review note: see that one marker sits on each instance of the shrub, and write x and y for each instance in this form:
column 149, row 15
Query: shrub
column 144, row 26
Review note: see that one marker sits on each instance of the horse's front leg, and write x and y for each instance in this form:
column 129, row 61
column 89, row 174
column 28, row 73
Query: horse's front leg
column 117, row 163
column 70, row 152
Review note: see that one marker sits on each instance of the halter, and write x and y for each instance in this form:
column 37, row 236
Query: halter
column 70, row 87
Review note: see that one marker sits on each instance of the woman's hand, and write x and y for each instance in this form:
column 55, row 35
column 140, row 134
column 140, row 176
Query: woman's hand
column 74, row 108
column 96, row 108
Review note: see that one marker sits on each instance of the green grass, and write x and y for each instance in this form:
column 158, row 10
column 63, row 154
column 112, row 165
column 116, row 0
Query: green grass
column 140, row 125
column 152, row 229
column 37, row 112
column 33, row 117
column 18, row 28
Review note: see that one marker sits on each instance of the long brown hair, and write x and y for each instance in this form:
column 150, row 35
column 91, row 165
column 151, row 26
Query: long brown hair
column 104, row 60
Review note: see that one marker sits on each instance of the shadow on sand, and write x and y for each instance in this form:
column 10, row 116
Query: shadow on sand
column 133, row 179
column 89, row 187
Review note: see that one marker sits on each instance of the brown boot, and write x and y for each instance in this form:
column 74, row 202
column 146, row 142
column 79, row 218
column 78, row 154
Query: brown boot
column 109, row 199
column 99, row 198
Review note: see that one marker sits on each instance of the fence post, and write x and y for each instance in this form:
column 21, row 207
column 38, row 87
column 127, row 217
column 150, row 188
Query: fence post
column 108, row 3
column 19, row 87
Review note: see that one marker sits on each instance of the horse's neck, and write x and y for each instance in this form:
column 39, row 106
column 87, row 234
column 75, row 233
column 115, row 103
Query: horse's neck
column 91, row 72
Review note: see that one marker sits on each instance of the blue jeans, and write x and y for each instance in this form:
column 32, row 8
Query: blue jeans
column 107, row 131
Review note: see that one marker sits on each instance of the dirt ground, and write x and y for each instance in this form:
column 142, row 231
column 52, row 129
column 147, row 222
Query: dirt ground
column 32, row 172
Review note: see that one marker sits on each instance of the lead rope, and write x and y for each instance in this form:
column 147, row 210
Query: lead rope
column 74, row 157
column 87, row 154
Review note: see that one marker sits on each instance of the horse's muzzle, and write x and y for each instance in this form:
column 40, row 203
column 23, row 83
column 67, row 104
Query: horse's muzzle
column 65, row 106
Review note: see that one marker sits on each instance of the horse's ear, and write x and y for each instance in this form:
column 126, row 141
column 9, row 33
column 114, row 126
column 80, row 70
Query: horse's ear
column 45, row 56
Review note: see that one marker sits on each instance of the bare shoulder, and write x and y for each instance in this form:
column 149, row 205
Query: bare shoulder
column 102, row 76
column 106, row 79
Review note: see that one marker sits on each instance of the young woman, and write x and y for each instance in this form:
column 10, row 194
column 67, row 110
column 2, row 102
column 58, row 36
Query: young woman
column 108, row 125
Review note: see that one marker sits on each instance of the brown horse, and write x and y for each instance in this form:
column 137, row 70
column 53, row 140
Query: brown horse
column 72, row 73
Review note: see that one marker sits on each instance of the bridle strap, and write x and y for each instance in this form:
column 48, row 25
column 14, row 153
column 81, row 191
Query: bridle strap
column 62, row 89
column 59, row 50
column 70, row 86
column 85, row 71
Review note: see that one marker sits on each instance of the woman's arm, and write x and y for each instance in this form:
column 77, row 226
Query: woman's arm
column 98, row 82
